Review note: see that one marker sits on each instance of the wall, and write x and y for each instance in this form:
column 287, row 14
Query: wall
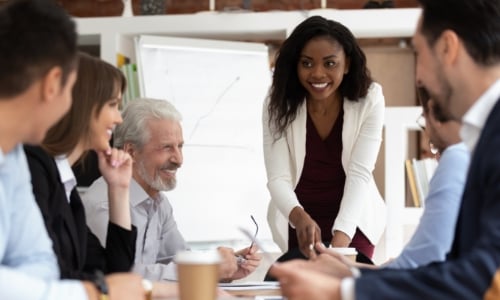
column 87, row 8
column 393, row 67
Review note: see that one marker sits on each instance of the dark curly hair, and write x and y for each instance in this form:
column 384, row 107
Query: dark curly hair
column 287, row 93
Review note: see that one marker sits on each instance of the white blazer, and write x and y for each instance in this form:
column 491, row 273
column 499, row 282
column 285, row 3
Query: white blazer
column 362, row 205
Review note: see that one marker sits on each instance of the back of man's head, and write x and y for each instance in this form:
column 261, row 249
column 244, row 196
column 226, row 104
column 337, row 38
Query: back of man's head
column 35, row 36
column 476, row 22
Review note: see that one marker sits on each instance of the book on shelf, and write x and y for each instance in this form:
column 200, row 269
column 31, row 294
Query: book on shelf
column 410, row 174
column 419, row 173
column 132, row 89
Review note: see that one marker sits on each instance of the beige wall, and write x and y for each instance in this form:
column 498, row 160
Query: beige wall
column 393, row 67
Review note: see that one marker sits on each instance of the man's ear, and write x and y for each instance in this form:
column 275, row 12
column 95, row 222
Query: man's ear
column 51, row 84
column 448, row 47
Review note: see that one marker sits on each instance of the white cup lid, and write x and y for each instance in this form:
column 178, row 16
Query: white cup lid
column 345, row 250
column 197, row 257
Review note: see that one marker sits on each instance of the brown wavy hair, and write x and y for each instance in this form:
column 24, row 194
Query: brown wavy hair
column 97, row 83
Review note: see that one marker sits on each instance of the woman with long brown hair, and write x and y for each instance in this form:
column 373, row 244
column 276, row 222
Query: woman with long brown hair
column 87, row 126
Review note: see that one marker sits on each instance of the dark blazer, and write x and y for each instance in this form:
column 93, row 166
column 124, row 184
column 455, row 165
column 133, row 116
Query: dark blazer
column 493, row 292
column 78, row 251
column 475, row 253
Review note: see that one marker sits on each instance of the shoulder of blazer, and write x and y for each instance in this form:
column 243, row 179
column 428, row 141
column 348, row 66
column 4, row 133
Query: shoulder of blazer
column 37, row 152
column 372, row 99
column 36, row 155
column 353, row 110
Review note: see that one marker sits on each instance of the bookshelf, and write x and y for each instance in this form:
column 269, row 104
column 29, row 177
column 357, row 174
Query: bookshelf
column 398, row 122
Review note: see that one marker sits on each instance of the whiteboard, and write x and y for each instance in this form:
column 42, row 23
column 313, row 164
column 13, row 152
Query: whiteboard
column 219, row 88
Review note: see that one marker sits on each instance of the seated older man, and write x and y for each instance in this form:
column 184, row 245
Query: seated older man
column 151, row 133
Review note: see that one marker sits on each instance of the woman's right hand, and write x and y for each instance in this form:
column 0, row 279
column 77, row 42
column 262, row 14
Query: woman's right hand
column 308, row 231
column 116, row 169
column 115, row 166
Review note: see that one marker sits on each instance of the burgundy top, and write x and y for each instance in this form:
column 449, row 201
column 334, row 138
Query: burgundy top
column 321, row 185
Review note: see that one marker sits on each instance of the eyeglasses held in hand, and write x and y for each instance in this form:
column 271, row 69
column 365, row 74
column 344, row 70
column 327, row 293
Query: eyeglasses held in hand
column 256, row 230
column 265, row 254
column 241, row 258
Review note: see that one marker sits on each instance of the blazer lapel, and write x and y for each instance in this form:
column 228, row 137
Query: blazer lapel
column 76, row 227
column 297, row 138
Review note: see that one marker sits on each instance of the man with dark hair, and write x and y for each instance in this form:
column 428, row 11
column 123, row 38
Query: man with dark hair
column 457, row 45
column 48, row 40
column 37, row 72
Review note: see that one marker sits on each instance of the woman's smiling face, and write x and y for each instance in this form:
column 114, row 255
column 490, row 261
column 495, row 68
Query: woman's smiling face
column 321, row 67
column 101, row 127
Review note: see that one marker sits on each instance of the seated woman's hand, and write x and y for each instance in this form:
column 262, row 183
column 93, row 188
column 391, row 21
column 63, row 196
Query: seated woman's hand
column 115, row 166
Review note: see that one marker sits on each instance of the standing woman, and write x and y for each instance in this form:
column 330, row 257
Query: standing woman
column 87, row 126
column 322, row 133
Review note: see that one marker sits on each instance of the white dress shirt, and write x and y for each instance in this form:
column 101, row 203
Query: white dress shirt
column 66, row 173
column 474, row 119
column 158, row 238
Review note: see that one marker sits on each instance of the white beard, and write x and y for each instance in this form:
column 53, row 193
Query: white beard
column 156, row 183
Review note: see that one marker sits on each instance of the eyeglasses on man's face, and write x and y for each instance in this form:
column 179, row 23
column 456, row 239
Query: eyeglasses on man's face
column 421, row 121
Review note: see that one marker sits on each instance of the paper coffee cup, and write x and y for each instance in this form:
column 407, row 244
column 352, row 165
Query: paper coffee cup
column 348, row 252
column 198, row 274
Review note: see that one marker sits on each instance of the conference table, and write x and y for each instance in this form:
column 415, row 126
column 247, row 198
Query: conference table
column 253, row 290
column 261, row 292
column 248, row 291
column 247, row 296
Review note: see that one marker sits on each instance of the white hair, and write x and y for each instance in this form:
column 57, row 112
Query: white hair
column 135, row 116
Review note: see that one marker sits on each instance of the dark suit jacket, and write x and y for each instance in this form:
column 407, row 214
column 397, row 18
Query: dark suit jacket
column 78, row 251
column 475, row 253
column 493, row 292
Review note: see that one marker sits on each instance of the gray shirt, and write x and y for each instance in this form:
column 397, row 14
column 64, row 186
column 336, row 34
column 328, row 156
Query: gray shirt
column 158, row 238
